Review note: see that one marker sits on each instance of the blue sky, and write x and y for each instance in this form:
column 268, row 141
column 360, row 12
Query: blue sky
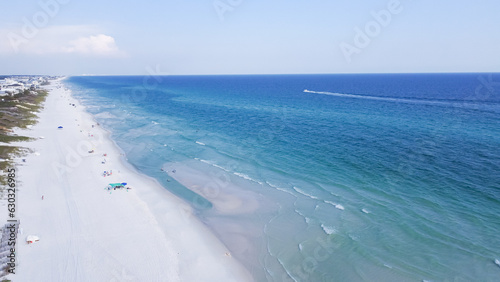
column 70, row 37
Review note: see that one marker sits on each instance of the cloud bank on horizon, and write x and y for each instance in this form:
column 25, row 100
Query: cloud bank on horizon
column 100, row 45
column 248, row 37
column 57, row 40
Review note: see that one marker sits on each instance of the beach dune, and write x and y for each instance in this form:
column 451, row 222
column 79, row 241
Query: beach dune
column 90, row 233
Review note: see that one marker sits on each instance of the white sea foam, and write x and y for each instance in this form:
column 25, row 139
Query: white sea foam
column 279, row 188
column 328, row 229
column 337, row 206
column 283, row 190
column 105, row 115
column 300, row 191
column 203, row 161
column 221, row 167
column 272, row 185
column 200, row 143
column 497, row 262
column 307, row 219
column 154, row 122
column 212, row 164
column 244, row 176
column 365, row 211
column 300, row 246
column 290, row 275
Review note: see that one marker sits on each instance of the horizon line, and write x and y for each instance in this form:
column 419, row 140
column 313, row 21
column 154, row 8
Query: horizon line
column 257, row 74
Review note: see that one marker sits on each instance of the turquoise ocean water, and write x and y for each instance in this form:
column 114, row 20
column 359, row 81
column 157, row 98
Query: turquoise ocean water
column 392, row 177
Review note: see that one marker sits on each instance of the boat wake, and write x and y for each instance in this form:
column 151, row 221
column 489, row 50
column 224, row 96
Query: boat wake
column 453, row 103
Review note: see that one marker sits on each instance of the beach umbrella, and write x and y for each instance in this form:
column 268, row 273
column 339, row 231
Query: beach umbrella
column 60, row 127
column 124, row 183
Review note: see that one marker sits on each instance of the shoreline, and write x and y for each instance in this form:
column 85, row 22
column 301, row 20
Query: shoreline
column 88, row 233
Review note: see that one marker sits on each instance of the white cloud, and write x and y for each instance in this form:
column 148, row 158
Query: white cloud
column 75, row 39
column 101, row 45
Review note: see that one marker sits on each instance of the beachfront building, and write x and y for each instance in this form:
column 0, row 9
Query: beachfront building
column 11, row 86
column 8, row 91
column 14, row 85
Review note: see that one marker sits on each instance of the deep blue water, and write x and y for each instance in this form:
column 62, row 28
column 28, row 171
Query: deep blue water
column 392, row 177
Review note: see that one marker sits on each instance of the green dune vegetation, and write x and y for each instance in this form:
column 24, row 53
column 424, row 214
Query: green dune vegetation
column 17, row 110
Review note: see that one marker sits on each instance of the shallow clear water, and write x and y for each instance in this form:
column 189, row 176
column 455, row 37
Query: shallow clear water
column 359, row 178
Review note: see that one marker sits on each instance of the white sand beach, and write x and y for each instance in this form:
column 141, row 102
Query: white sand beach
column 89, row 233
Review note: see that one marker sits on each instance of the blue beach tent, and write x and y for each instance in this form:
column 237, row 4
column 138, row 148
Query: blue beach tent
column 116, row 185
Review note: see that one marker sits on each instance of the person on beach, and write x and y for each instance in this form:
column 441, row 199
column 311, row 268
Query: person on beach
column 42, row 197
